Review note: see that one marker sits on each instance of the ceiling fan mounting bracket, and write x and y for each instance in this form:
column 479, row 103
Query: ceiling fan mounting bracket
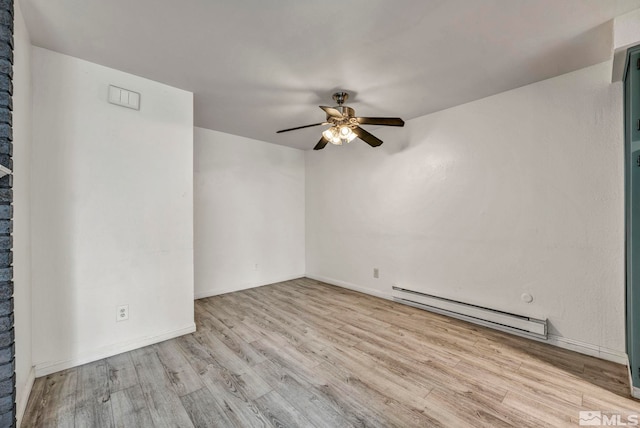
column 341, row 97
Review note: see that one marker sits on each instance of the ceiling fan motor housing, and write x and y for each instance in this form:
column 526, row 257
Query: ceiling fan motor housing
column 347, row 112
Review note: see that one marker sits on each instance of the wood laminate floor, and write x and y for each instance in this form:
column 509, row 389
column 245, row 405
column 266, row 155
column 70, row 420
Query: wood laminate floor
column 302, row 353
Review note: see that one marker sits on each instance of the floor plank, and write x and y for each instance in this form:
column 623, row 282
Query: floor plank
column 183, row 377
column 279, row 412
column 203, row 410
column 93, row 399
column 303, row 353
column 53, row 401
column 232, row 399
column 130, row 408
column 302, row 395
column 164, row 404
column 121, row 372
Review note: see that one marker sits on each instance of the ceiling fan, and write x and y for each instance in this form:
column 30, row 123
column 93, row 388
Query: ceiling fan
column 345, row 126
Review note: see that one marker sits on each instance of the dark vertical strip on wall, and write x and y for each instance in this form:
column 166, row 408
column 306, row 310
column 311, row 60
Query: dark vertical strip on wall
column 7, row 346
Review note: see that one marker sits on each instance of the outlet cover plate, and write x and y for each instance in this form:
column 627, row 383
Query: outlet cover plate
column 122, row 313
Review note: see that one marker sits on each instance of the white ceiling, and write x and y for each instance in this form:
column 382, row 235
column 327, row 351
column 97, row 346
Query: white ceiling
column 256, row 66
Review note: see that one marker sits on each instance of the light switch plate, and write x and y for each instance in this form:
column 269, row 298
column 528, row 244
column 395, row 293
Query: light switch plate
column 124, row 97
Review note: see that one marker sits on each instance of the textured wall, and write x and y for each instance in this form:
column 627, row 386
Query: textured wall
column 519, row 192
column 112, row 212
column 248, row 213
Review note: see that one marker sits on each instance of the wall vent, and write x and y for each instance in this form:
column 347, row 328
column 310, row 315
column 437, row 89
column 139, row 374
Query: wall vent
column 503, row 321
column 124, row 97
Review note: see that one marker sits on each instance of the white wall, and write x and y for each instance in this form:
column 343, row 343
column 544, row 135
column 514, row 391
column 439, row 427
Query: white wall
column 625, row 30
column 249, row 213
column 112, row 212
column 22, row 209
column 518, row 192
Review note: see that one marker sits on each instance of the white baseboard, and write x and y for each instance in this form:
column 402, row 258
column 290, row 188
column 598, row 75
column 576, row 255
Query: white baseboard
column 43, row 369
column 559, row 341
column 350, row 286
column 588, row 349
column 21, row 402
column 218, row 291
column 635, row 392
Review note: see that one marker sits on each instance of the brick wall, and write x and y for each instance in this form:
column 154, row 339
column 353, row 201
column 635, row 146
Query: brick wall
column 7, row 349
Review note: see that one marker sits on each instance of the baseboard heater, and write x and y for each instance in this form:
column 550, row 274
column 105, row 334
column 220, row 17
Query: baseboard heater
column 504, row 321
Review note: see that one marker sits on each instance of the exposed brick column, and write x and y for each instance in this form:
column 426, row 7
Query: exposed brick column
column 7, row 347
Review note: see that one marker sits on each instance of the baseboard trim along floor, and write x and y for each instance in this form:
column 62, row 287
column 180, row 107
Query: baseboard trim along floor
column 552, row 339
column 46, row 368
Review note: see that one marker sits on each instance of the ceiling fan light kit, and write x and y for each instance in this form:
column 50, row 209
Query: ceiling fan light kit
column 345, row 126
column 339, row 135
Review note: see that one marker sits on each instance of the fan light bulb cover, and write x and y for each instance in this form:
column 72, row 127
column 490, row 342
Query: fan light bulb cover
column 351, row 136
column 328, row 134
column 332, row 136
column 339, row 135
column 346, row 134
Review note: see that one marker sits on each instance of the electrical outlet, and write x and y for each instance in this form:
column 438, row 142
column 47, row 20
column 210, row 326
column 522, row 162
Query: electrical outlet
column 376, row 273
column 122, row 313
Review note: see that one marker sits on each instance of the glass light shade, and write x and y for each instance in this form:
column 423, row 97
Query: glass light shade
column 346, row 134
column 351, row 136
column 333, row 136
column 339, row 135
